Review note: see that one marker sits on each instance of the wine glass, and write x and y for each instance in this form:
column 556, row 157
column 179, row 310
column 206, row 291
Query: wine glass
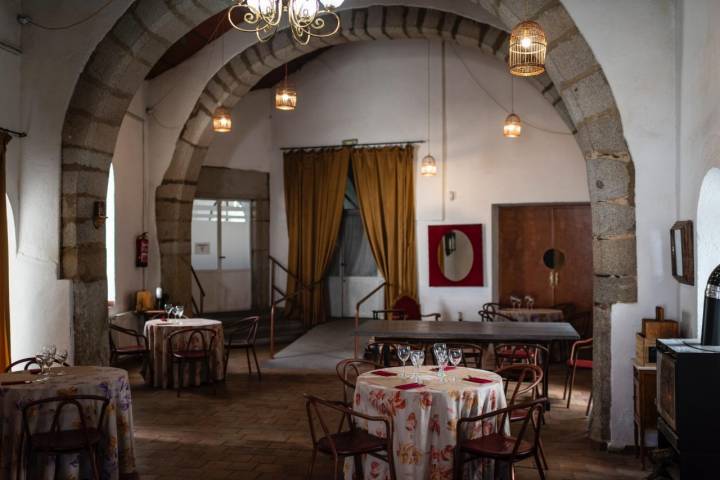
column 441, row 356
column 180, row 311
column 417, row 357
column 455, row 356
column 403, row 352
column 61, row 358
column 168, row 310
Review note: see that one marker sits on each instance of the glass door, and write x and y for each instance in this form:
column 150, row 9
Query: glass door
column 221, row 252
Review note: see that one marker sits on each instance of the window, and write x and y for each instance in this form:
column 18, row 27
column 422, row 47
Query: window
column 221, row 234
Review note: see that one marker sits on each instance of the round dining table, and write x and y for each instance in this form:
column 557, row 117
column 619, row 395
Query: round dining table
column 116, row 452
column 533, row 314
column 424, row 418
column 157, row 332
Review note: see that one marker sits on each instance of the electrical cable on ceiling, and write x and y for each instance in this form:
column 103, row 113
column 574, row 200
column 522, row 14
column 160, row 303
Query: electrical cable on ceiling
column 502, row 107
column 25, row 20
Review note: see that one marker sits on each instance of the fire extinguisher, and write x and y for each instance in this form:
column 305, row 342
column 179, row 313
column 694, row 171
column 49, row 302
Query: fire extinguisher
column 142, row 247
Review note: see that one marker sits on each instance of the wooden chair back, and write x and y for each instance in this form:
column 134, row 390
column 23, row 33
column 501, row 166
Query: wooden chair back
column 62, row 402
column 191, row 340
column 243, row 330
column 527, row 379
column 348, row 371
column 29, row 362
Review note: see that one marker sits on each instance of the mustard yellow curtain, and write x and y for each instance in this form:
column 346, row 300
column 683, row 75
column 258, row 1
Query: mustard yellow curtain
column 4, row 274
column 384, row 180
column 315, row 184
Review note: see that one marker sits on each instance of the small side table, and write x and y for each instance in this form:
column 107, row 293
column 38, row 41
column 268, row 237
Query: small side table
column 644, row 402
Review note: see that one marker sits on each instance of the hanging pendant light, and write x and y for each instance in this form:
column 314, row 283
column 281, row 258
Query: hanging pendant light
column 528, row 46
column 513, row 125
column 428, row 166
column 222, row 120
column 285, row 95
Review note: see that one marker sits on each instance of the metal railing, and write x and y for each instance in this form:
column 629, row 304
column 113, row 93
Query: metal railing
column 202, row 293
column 357, row 312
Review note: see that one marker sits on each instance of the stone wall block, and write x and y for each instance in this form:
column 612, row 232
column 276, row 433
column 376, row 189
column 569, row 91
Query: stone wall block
column 195, row 126
column 395, row 22
column 177, row 280
column 103, row 103
column 570, row 58
column 89, row 182
column 430, row 24
column 176, row 191
column 468, row 34
column 612, row 219
column 261, row 210
column 615, row 256
column 601, row 135
column 612, row 289
column 81, row 232
column 176, row 247
column 80, row 130
column 174, row 230
column 74, row 207
column 588, row 96
column 556, row 22
column 90, row 159
column 610, row 178
column 157, row 17
column 112, row 65
column 602, row 363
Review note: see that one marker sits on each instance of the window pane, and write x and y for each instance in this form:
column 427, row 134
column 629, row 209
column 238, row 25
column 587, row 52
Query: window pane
column 204, row 235
column 235, row 233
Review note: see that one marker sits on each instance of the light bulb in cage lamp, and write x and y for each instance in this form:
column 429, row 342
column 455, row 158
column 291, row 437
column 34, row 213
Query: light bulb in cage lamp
column 513, row 126
column 528, row 46
column 428, row 167
column 285, row 98
column 222, row 120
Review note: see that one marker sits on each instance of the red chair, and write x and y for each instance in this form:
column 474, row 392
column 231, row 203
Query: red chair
column 405, row 307
column 575, row 362
column 59, row 442
column 353, row 442
column 498, row 446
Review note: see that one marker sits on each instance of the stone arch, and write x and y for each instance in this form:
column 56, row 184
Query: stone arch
column 575, row 84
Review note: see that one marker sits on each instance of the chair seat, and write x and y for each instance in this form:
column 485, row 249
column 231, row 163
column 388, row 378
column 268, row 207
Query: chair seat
column 513, row 353
column 496, row 445
column 580, row 363
column 518, row 414
column 131, row 349
column 190, row 354
column 64, row 440
column 352, row 443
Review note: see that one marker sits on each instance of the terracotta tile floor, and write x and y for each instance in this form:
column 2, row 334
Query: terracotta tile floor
column 258, row 430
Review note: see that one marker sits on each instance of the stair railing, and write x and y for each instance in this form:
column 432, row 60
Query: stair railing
column 357, row 312
column 202, row 293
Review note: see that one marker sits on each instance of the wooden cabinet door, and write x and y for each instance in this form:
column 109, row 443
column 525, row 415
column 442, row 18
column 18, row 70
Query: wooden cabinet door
column 524, row 234
column 572, row 235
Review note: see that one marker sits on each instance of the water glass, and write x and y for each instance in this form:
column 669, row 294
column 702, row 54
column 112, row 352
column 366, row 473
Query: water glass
column 441, row 356
column 403, row 352
column 455, row 356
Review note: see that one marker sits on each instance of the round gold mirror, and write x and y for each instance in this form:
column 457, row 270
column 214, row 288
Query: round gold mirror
column 455, row 255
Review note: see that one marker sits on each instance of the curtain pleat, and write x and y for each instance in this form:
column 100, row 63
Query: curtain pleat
column 4, row 273
column 384, row 180
column 314, row 191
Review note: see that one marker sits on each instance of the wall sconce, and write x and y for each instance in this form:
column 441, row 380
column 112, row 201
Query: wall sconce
column 99, row 216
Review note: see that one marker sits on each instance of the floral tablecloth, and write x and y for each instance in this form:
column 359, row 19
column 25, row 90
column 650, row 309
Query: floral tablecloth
column 116, row 455
column 157, row 332
column 425, row 419
column 533, row 314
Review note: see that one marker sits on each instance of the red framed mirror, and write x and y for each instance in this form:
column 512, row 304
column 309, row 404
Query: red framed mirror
column 455, row 255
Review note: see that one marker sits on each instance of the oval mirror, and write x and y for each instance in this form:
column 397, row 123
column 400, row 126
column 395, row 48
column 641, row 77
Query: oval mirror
column 554, row 259
column 455, row 255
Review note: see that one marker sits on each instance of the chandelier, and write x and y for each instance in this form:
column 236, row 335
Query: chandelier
column 528, row 46
column 304, row 16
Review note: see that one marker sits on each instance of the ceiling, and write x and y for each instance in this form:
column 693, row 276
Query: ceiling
column 208, row 31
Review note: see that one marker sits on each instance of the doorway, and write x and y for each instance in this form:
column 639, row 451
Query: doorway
column 352, row 272
column 545, row 251
column 221, row 253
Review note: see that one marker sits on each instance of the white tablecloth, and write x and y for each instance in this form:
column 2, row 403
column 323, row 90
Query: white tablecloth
column 157, row 332
column 425, row 420
column 116, row 454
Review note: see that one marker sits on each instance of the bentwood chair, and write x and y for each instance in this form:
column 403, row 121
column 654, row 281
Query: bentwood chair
column 241, row 335
column 56, row 441
column 472, row 354
column 575, row 362
column 498, row 446
column 29, row 362
column 139, row 348
column 491, row 307
column 191, row 346
column 527, row 379
column 354, row 442
column 348, row 371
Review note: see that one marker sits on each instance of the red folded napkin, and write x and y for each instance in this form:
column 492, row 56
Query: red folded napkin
column 384, row 373
column 409, row 386
column 477, row 380
column 437, row 369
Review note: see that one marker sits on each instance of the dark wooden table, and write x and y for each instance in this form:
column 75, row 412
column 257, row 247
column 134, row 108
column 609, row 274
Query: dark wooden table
column 471, row 332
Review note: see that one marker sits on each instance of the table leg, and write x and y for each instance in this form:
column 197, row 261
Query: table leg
column 546, row 375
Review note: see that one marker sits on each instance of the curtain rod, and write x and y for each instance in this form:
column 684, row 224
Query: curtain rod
column 13, row 132
column 354, row 145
